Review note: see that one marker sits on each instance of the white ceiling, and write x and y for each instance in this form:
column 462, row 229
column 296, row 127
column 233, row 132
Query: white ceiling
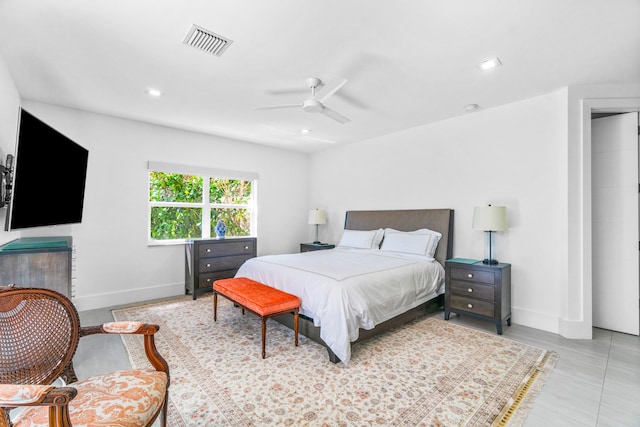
column 408, row 62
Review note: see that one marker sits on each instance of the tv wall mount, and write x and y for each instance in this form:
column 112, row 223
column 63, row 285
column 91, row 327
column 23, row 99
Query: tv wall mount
column 6, row 181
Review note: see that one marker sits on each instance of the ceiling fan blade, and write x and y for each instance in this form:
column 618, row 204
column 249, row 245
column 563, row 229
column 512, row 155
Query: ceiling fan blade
column 330, row 88
column 288, row 91
column 276, row 107
column 335, row 115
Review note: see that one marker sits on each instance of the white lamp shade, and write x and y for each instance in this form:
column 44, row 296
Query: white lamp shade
column 490, row 218
column 317, row 216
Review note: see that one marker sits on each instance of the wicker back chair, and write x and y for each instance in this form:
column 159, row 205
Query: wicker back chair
column 39, row 334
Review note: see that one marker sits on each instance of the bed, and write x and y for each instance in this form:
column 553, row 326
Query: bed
column 356, row 291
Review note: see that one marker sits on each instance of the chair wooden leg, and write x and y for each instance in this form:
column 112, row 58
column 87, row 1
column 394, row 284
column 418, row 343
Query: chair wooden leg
column 264, row 335
column 295, row 325
column 165, row 407
column 59, row 416
column 215, row 306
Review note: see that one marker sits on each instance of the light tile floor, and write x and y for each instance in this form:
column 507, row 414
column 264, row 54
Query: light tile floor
column 595, row 382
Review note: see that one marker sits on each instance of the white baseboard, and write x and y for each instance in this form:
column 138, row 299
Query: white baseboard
column 535, row 319
column 570, row 329
column 92, row 302
column 575, row 329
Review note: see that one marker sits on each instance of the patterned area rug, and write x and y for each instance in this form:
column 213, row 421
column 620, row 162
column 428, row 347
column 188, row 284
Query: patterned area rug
column 426, row 373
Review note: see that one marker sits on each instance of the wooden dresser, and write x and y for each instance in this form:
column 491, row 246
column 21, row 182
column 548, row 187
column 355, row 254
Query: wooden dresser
column 478, row 290
column 208, row 260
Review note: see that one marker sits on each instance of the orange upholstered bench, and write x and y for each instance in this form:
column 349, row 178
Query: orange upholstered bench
column 258, row 298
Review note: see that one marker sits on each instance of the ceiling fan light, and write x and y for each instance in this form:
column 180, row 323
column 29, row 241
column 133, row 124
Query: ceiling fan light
column 312, row 106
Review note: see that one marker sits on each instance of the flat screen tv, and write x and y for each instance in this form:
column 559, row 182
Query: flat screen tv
column 48, row 178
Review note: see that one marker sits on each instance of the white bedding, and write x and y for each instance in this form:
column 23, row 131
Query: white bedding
column 343, row 290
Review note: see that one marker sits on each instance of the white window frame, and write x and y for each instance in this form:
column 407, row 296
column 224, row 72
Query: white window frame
column 206, row 174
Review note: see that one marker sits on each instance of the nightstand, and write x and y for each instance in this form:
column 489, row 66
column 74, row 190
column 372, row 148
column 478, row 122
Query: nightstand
column 309, row 247
column 478, row 290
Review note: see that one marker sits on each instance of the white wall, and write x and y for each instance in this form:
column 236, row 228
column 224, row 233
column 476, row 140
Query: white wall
column 514, row 155
column 114, row 265
column 9, row 105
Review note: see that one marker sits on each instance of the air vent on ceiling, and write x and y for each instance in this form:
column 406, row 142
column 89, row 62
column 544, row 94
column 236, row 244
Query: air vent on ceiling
column 206, row 40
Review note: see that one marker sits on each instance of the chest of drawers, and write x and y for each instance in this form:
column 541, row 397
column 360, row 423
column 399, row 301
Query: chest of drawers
column 479, row 290
column 207, row 260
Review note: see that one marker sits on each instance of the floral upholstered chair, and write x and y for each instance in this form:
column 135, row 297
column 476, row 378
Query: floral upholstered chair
column 39, row 334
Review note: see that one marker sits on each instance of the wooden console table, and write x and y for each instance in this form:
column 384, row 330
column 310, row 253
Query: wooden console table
column 39, row 262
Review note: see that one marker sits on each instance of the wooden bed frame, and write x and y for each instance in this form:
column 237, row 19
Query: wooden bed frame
column 440, row 220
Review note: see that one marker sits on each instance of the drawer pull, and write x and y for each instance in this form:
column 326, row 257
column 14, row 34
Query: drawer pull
column 208, row 250
column 470, row 290
column 208, row 280
column 469, row 305
column 470, row 275
column 208, row 265
column 246, row 247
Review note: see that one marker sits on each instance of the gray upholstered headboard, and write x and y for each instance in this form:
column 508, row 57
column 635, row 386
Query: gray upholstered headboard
column 440, row 220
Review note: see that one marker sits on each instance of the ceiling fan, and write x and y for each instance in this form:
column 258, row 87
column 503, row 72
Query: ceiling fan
column 315, row 103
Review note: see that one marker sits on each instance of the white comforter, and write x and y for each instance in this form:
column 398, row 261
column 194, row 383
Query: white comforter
column 343, row 290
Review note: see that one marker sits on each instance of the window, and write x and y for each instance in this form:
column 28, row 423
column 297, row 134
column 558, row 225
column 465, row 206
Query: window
column 187, row 202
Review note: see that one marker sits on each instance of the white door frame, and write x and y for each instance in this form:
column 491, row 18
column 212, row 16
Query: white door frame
column 589, row 106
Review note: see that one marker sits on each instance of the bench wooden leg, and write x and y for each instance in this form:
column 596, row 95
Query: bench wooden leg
column 264, row 335
column 295, row 325
column 260, row 312
column 215, row 306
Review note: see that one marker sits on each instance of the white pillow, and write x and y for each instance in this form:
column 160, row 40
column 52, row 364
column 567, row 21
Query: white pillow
column 422, row 242
column 359, row 239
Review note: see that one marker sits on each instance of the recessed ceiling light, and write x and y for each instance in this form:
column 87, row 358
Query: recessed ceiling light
column 490, row 63
column 305, row 131
column 153, row 92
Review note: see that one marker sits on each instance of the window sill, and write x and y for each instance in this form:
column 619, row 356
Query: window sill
column 183, row 241
column 166, row 242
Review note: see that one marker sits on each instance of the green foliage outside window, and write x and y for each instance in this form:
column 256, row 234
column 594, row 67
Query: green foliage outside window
column 229, row 191
column 174, row 187
column 175, row 223
column 171, row 222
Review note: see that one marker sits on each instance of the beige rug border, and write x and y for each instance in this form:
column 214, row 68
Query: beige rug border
column 513, row 415
column 516, row 413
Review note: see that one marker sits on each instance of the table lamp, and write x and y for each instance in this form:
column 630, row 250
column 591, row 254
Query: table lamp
column 490, row 219
column 317, row 217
